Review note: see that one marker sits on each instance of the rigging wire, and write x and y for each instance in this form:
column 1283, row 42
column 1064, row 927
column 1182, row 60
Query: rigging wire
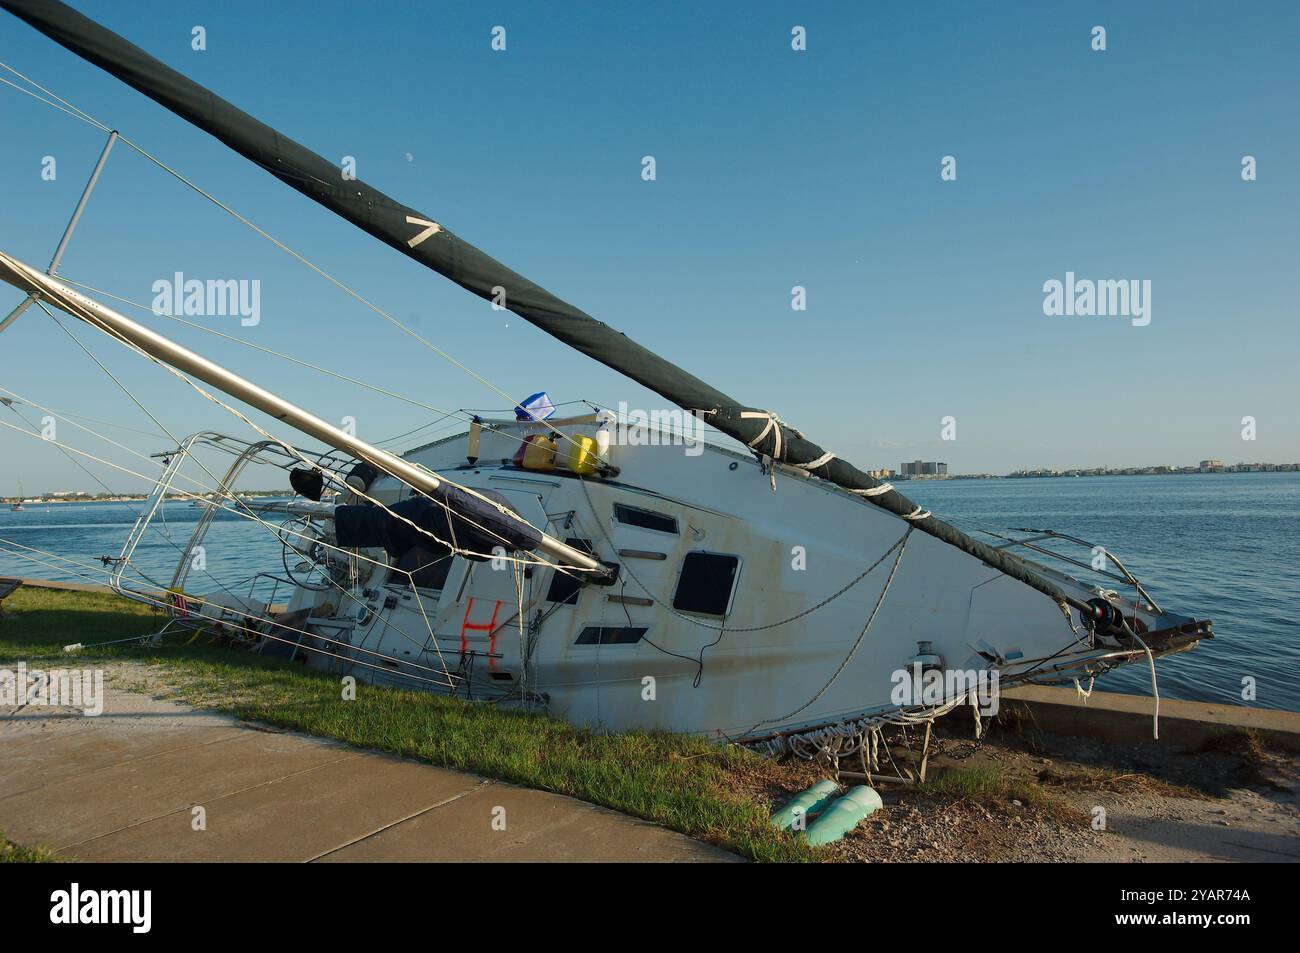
column 258, row 347
column 156, row 603
column 180, row 177
column 462, row 414
column 70, row 417
column 248, row 515
column 901, row 546
column 66, row 452
column 90, row 318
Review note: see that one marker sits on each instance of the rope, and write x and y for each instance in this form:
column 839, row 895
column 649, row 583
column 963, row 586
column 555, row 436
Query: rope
column 857, row 734
column 821, row 461
column 901, row 546
column 1155, row 689
column 880, row 490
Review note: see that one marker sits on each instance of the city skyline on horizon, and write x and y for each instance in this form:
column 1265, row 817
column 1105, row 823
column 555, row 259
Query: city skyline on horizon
column 244, row 487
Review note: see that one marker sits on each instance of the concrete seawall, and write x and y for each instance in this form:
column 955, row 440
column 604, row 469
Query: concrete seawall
column 1109, row 716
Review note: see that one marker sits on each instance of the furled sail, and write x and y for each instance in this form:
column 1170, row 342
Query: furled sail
column 429, row 242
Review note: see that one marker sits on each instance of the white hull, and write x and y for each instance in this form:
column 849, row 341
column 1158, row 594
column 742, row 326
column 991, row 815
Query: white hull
column 753, row 683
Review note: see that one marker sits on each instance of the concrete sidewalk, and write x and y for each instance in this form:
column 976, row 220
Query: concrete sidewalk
column 123, row 786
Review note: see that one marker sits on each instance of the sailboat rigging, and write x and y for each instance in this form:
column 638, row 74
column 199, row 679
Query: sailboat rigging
column 622, row 564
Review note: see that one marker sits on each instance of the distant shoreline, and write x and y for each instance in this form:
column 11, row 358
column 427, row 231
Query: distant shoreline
column 1126, row 471
column 897, row 478
column 128, row 498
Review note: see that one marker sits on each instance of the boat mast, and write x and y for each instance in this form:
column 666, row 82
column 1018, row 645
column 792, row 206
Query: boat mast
column 32, row 281
column 435, row 246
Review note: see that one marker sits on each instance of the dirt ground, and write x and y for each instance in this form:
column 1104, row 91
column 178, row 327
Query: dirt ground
column 1020, row 795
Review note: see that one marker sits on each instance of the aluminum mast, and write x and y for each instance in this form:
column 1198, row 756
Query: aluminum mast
column 28, row 280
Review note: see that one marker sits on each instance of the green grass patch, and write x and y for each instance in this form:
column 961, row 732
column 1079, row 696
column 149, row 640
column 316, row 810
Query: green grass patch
column 11, row 853
column 687, row 784
column 992, row 786
column 39, row 622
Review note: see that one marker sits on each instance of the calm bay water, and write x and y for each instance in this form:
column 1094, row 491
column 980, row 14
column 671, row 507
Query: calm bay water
column 1222, row 545
column 1226, row 546
column 235, row 548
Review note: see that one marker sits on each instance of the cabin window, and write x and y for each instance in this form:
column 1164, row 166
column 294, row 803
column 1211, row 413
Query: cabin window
column 611, row 635
column 646, row 519
column 565, row 586
column 706, row 583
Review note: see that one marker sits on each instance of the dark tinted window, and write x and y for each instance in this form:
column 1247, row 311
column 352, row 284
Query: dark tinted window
column 610, row 635
column 705, row 583
column 566, row 586
column 646, row 519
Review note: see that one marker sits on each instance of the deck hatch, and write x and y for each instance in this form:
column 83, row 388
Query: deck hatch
column 611, row 634
column 706, row 583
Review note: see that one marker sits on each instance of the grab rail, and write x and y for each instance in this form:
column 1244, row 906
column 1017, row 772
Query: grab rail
column 1127, row 578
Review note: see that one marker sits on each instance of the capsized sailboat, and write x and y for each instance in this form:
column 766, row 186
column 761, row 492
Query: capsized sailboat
column 609, row 570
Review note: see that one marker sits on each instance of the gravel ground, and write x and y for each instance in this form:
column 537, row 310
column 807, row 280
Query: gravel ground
column 1158, row 803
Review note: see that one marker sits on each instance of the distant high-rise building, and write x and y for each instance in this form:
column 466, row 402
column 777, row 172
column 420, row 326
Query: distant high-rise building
column 923, row 468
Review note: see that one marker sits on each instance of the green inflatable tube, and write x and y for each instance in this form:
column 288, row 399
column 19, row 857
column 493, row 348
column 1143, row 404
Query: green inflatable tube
column 844, row 815
column 805, row 805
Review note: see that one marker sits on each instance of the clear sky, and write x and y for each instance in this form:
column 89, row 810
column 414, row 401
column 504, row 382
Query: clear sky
column 775, row 168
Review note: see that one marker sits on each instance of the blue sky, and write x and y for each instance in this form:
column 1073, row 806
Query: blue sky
column 775, row 169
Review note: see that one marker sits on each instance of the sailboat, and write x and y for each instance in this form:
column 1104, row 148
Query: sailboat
column 620, row 572
column 17, row 505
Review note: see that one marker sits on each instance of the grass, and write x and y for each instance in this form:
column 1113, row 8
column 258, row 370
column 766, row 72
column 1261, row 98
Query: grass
column 11, row 853
column 1257, row 766
column 1018, row 720
column 991, row 786
column 686, row 784
column 1111, row 781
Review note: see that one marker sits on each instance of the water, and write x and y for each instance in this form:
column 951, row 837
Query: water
column 1219, row 545
column 234, row 550
column 1226, row 546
